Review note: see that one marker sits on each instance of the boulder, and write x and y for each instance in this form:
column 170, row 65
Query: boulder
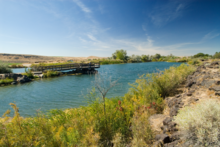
column 13, row 83
column 215, row 88
column 41, row 75
column 23, row 79
column 163, row 137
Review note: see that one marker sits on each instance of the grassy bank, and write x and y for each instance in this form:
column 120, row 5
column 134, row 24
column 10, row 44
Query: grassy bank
column 125, row 121
column 6, row 81
column 50, row 73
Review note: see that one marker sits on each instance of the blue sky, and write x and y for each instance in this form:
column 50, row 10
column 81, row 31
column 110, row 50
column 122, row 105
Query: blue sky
column 81, row 28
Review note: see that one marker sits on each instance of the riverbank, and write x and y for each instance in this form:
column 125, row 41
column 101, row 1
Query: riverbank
column 125, row 118
column 197, row 105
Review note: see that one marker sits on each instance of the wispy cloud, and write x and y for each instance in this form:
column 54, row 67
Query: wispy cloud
column 147, row 46
column 82, row 6
column 163, row 14
column 210, row 35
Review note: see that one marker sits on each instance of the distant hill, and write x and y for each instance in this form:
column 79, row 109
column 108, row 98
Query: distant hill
column 23, row 58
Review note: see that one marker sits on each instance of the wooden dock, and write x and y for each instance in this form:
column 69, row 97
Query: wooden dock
column 75, row 67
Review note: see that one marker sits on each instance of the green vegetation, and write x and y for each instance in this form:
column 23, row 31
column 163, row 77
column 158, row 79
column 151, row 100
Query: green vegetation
column 17, row 66
column 201, row 55
column 216, row 55
column 200, row 123
column 195, row 62
column 50, row 64
column 5, row 69
column 51, row 73
column 120, row 54
column 104, row 61
column 125, row 121
column 29, row 74
column 6, row 81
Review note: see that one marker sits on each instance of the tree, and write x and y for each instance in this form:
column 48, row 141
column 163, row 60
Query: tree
column 200, row 55
column 144, row 58
column 103, row 83
column 120, row 54
column 157, row 56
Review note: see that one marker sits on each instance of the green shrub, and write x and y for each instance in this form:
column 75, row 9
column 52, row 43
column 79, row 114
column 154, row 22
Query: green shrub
column 103, row 62
column 195, row 62
column 5, row 69
column 13, row 66
column 6, row 81
column 29, row 74
column 216, row 55
column 171, row 60
column 201, row 123
column 51, row 73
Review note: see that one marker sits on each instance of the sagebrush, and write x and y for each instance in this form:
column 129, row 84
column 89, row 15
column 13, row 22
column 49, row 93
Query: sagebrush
column 200, row 123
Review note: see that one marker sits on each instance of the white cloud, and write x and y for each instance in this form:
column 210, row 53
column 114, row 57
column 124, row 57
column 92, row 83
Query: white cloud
column 91, row 37
column 82, row 6
column 161, row 15
column 210, row 35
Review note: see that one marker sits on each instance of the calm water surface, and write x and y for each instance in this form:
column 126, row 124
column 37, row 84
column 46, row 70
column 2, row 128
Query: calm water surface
column 69, row 91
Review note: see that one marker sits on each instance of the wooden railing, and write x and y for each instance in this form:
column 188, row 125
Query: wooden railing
column 66, row 66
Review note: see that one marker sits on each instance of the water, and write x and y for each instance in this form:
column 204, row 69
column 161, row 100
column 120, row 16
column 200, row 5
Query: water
column 69, row 91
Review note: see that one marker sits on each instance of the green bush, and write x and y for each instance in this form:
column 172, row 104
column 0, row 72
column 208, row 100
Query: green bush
column 103, row 62
column 216, row 55
column 29, row 74
column 201, row 123
column 51, row 73
column 194, row 62
column 5, row 69
column 6, row 81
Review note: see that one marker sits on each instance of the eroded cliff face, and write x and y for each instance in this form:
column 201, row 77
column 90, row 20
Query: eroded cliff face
column 203, row 84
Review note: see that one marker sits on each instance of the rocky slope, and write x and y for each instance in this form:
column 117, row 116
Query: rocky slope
column 204, row 83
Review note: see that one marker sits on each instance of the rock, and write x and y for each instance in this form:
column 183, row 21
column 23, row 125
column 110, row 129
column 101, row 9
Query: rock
column 175, row 136
column 215, row 63
column 163, row 137
column 23, row 79
column 156, row 122
column 41, row 76
column 172, row 144
column 189, row 94
column 217, row 82
column 192, row 100
column 174, row 111
column 177, row 96
column 215, row 88
column 13, row 83
column 173, row 102
column 207, row 83
column 217, row 93
column 158, row 144
column 190, row 83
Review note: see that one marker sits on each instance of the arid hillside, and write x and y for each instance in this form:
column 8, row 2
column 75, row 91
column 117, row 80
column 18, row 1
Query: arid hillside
column 23, row 58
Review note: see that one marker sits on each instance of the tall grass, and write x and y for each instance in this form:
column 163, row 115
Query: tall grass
column 5, row 69
column 29, row 74
column 104, row 62
column 124, row 123
column 51, row 73
column 6, row 81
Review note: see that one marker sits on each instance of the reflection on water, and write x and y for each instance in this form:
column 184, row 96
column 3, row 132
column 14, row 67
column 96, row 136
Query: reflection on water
column 69, row 91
